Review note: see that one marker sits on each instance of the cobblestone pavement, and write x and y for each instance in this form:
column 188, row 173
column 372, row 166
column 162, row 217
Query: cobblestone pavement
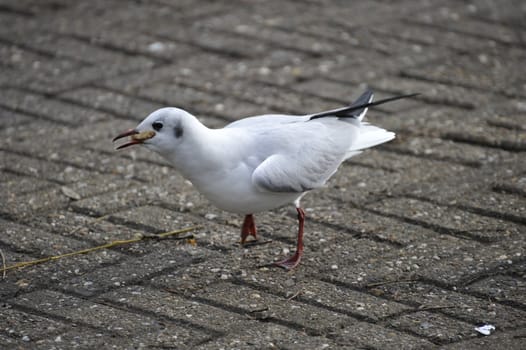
column 412, row 245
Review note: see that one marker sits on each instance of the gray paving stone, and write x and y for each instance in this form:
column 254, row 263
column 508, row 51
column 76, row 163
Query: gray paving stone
column 437, row 328
column 158, row 218
column 38, row 242
column 474, row 310
column 486, row 73
column 432, row 91
column 281, row 38
column 19, row 324
column 458, row 221
column 314, row 319
column 447, row 150
column 509, row 15
column 204, row 63
column 114, row 103
column 8, row 342
column 348, row 301
column 18, row 135
column 372, row 335
column 85, row 338
column 446, row 260
column 95, row 231
column 53, row 272
column 415, row 31
column 376, row 173
column 111, row 320
column 205, row 102
column 109, row 203
column 364, row 224
column 34, row 203
column 270, row 335
column 478, row 28
column 10, row 119
column 502, row 288
column 57, row 196
column 86, row 75
column 141, row 44
column 507, row 340
column 47, row 108
column 50, row 169
column 189, row 279
column 129, row 271
column 71, row 48
column 26, row 64
column 270, row 96
column 15, row 185
column 506, row 204
column 214, row 319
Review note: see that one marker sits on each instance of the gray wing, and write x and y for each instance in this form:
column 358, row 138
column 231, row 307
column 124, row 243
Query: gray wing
column 313, row 153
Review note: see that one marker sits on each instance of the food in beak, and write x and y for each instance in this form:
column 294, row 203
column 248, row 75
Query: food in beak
column 136, row 137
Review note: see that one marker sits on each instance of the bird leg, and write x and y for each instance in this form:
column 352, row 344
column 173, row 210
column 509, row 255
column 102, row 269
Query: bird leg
column 249, row 228
column 294, row 260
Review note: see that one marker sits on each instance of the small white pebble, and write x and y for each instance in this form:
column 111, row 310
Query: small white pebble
column 156, row 47
column 210, row 216
column 485, row 329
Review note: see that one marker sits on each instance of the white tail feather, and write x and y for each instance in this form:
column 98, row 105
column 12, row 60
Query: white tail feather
column 370, row 136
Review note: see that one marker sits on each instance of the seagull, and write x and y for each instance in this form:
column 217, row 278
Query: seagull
column 263, row 162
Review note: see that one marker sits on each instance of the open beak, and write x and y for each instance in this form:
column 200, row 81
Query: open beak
column 136, row 137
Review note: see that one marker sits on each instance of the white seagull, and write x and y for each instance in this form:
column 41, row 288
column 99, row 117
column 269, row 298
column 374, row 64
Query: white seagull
column 263, row 162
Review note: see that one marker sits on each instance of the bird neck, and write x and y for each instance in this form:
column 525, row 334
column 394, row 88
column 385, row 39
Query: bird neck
column 198, row 152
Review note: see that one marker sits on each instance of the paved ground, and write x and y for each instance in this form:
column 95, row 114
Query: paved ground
column 412, row 245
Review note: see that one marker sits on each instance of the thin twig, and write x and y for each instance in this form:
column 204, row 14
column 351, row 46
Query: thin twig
column 3, row 264
column 370, row 285
column 253, row 243
column 294, row 295
column 428, row 308
column 89, row 250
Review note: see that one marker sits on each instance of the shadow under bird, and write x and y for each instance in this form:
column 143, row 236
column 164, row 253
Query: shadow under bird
column 263, row 162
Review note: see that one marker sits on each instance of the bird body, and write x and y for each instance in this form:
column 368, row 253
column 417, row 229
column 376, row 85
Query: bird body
column 263, row 162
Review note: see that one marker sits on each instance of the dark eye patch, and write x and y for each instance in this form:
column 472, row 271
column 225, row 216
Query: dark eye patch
column 157, row 126
column 178, row 131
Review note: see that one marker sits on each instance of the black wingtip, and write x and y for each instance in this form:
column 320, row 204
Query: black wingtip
column 346, row 111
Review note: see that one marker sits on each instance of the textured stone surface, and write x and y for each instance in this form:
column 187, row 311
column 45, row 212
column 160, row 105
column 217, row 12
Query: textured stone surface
column 411, row 245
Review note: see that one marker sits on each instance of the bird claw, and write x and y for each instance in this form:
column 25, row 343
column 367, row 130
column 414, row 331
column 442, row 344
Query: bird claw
column 244, row 242
column 289, row 263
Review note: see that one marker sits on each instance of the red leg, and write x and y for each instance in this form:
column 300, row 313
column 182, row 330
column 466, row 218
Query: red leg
column 294, row 260
column 249, row 228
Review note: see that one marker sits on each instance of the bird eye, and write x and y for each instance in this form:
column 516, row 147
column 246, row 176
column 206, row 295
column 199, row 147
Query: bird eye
column 157, row 126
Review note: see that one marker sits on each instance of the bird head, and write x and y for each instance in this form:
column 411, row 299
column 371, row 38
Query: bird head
column 161, row 131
